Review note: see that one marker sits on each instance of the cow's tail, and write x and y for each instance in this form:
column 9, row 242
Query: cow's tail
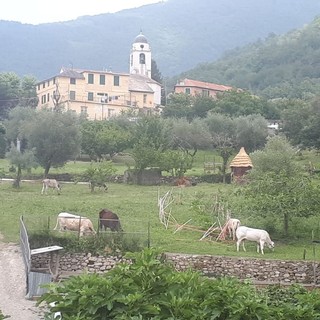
column 55, row 228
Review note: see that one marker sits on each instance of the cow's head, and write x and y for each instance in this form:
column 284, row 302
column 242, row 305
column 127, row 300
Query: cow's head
column 271, row 245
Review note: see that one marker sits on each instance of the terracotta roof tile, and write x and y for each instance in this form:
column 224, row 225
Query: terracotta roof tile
column 202, row 85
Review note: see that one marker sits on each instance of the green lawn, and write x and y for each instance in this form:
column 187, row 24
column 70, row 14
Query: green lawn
column 136, row 207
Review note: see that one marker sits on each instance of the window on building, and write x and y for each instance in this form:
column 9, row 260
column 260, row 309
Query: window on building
column 102, row 79
column 84, row 110
column 90, row 78
column 48, row 83
column 144, row 98
column 72, row 80
column 142, row 58
column 72, row 95
column 103, row 97
column 116, row 80
column 48, row 97
column 38, row 86
column 90, row 96
column 205, row 93
column 44, row 99
column 44, row 85
column 187, row 91
column 54, row 80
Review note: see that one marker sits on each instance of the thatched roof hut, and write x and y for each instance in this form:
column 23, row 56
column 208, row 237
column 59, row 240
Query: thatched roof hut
column 240, row 165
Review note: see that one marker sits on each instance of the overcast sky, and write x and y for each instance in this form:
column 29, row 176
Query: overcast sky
column 43, row 11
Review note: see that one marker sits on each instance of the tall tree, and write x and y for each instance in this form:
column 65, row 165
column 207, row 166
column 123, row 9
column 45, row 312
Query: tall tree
column 242, row 103
column 201, row 105
column 19, row 155
column 178, row 106
column 157, row 76
column 223, row 137
column 189, row 136
column 9, row 92
column 251, row 132
column 22, row 161
column 150, row 139
column 55, row 136
column 16, row 92
column 100, row 138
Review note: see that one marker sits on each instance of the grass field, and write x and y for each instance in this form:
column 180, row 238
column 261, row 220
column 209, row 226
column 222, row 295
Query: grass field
column 136, row 207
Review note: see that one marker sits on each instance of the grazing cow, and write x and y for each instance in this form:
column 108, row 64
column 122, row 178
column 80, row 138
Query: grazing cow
column 50, row 183
column 108, row 219
column 182, row 182
column 258, row 235
column 232, row 226
column 72, row 222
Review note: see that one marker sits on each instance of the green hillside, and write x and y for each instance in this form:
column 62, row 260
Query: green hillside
column 182, row 34
column 281, row 66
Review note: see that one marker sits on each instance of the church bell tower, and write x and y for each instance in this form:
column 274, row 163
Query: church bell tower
column 140, row 56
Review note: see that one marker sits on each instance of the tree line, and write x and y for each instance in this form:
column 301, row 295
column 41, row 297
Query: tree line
column 234, row 119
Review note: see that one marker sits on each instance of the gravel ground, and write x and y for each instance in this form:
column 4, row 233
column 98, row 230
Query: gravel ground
column 13, row 285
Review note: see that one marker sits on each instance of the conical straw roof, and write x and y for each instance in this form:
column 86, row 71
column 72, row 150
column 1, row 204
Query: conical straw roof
column 241, row 160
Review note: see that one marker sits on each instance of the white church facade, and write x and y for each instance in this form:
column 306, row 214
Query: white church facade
column 98, row 94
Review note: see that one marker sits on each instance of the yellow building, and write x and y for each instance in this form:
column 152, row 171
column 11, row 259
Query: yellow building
column 103, row 94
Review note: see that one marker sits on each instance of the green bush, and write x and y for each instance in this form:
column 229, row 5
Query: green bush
column 150, row 288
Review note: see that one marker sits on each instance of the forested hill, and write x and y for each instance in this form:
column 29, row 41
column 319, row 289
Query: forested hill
column 182, row 34
column 281, row 66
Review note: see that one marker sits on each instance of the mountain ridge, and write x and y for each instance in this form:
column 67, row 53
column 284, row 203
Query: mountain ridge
column 182, row 34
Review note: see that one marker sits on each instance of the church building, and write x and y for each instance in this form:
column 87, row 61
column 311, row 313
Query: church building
column 101, row 94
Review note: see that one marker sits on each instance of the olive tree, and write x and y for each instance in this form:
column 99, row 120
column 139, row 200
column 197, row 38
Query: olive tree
column 20, row 155
column 100, row 138
column 55, row 136
column 223, row 137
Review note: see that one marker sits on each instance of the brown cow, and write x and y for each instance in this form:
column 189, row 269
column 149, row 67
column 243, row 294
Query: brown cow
column 108, row 219
column 182, row 182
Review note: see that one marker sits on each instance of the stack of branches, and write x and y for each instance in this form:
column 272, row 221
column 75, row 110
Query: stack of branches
column 164, row 209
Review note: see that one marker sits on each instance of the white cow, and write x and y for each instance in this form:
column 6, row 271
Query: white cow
column 258, row 235
column 72, row 222
column 232, row 226
column 50, row 183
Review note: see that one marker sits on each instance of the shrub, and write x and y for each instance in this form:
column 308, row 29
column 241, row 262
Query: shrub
column 150, row 288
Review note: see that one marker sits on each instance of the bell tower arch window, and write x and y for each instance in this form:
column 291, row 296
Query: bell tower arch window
column 142, row 58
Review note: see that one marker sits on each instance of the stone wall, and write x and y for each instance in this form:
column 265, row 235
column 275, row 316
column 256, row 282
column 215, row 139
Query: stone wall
column 260, row 270
column 277, row 271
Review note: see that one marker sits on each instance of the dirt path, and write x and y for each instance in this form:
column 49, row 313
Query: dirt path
column 13, row 285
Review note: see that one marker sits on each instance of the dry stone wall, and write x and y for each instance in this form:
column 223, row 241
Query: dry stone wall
column 276, row 271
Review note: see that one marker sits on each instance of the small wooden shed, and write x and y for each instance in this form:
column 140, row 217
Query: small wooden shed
column 240, row 165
